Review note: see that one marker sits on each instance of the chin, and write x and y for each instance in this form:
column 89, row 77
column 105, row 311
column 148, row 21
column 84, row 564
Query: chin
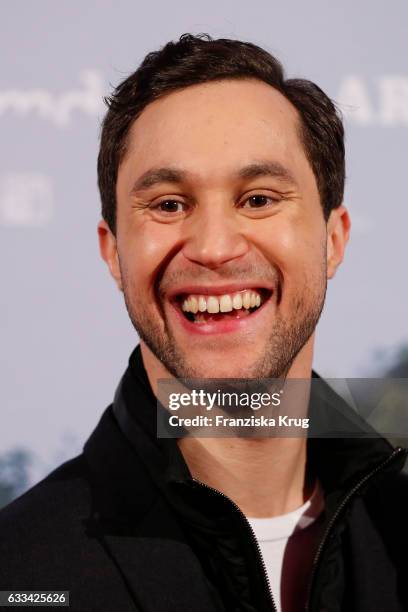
column 223, row 367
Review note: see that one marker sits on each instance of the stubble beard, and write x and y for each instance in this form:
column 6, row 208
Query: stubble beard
column 286, row 338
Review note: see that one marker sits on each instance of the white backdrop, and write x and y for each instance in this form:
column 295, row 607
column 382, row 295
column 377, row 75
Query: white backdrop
column 65, row 335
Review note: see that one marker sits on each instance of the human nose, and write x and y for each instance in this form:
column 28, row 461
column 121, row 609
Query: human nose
column 214, row 237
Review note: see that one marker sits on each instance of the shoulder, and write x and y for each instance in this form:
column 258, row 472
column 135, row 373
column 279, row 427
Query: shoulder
column 47, row 522
column 387, row 505
column 62, row 493
column 393, row 489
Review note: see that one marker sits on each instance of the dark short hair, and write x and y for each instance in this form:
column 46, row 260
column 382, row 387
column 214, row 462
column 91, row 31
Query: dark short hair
column 200, row 59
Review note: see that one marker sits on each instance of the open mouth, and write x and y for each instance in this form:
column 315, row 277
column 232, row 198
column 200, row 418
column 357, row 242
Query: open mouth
column 198, row 308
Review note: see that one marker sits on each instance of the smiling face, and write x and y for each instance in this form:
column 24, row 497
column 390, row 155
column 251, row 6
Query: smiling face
column 221, row 245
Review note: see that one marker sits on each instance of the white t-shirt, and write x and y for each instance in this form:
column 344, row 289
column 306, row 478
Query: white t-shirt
column 288, row 544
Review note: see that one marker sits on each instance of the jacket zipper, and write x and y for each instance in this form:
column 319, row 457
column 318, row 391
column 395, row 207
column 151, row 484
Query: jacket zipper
column 324, row 539
column 336, row 515
column 254, row 540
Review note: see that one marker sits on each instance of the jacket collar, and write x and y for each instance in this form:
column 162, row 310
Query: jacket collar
column 130, row 471
column 339, row 460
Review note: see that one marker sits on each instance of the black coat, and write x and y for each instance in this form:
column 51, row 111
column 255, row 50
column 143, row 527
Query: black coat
column 124, row 527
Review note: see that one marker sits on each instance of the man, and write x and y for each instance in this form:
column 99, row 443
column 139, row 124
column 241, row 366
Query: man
column 221, row 186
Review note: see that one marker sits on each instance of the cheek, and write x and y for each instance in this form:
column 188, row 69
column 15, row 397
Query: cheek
column 148, row 246
column 295, row 248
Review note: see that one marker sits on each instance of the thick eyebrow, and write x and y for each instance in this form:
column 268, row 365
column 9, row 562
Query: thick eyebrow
column 267, row 168
column 156, row 176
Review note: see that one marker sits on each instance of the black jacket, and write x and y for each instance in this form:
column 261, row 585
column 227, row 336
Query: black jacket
column 124, row 527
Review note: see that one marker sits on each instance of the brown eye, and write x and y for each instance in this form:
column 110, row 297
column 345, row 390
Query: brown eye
column 170, row 206
column 258, row 201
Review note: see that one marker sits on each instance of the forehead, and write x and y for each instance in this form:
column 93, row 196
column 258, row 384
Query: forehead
column 215, row 126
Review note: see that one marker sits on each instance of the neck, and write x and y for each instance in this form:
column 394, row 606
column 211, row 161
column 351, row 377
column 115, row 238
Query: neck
column 265, row 477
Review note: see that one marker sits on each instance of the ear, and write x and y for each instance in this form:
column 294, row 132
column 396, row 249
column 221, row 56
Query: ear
column 338, row 231
column 109, row 252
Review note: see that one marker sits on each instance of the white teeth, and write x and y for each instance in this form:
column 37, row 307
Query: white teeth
column 202, row 304
column 246, row 300
column 193, row 304
column 213, row 305
column 225, row 303
column 237, row 301
column 186, row 305
column 221, row 303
